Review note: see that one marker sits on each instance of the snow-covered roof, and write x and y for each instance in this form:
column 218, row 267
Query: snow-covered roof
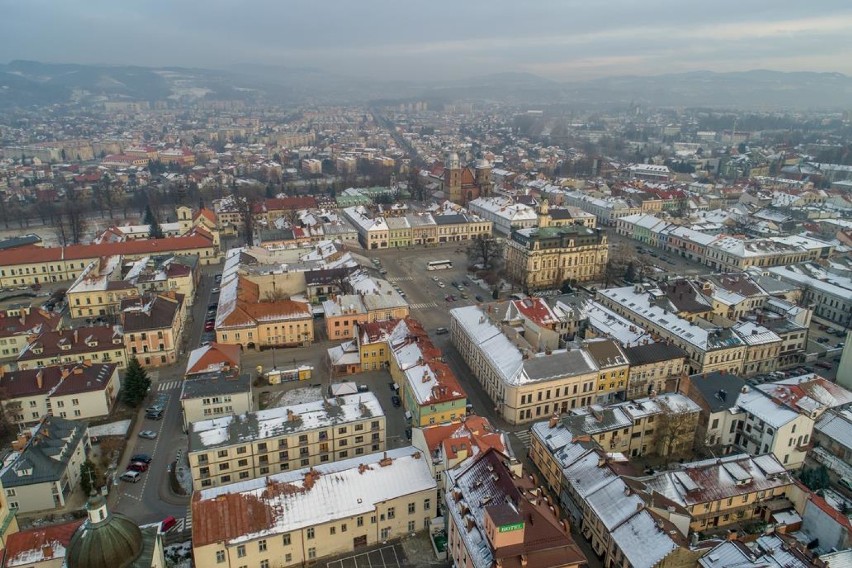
column 278, row 421
column 307, row 497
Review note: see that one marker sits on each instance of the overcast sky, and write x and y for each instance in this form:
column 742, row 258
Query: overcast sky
column 435, row 39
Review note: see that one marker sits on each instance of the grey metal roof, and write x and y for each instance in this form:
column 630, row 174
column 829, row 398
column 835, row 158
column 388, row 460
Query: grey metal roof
column 719, row 390
column 565, row 364
column 47, row 454
column 653, row 353
column 215, row 383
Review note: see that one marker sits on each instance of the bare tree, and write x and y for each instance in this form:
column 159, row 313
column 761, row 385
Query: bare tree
column 76, row 222
column 485, row 250
column 674, row 433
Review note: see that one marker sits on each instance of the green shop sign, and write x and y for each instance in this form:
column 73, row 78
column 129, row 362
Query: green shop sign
column 512, row 527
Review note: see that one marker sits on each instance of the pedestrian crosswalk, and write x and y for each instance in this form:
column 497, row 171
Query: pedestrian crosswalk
column 400, row 278
column 167, row 385
column 524, row 437
column 185, row 523
column 423, row 306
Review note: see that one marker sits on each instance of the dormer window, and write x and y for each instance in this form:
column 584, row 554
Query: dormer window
column 92, row 342
column 65, row 346
column 116, row 341
column 38, row 350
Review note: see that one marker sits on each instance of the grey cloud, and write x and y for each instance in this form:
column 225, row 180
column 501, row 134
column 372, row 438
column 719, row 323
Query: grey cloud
column 558, row 39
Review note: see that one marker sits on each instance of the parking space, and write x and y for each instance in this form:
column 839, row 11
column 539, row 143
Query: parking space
column 384, row 557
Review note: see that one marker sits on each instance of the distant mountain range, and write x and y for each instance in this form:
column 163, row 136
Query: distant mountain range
column 28, row 83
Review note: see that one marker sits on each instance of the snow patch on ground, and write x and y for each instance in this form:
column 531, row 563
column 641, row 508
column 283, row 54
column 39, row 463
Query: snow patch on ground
column 179, row 555
column 119, row 428
column 297, row 396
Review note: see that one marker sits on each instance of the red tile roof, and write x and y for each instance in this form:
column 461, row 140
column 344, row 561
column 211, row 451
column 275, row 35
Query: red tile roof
column 214, row 354
column 51, row 341
column 35, row 254
column 57, row 380
column 35, row 321
column 27, row 547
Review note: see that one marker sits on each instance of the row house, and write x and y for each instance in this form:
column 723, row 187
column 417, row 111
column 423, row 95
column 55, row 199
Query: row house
column 95, row 344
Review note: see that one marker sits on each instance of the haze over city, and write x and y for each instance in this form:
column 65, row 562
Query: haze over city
column 443, row 40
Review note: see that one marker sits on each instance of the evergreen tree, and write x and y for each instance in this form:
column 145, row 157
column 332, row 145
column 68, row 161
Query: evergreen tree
column 630, row 273
column 154, row 231
column 136, row 383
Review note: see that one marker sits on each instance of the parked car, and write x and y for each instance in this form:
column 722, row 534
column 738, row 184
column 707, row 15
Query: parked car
column 154, row 415
column 479, row 298
column 396, row 401
column 825, row 365
column 209, row 326
column 168, row 523
column 212, row 306
column 822, row 340
column 215, row 290
column 148, row 434
column 383, row 271
column 144, row 458
column 442, row 331
column 131, row 476
column 141, row 467
column 218, row 278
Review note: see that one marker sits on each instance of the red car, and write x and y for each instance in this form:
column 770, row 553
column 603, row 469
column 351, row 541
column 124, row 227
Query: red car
column 209, row 326
column 141, row 467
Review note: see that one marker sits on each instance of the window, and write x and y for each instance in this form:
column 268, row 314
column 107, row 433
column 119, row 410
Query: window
column 332, row 530
column 343, row 527
column 391, row 513
column 288, row 558
column 241, row 551
column 410, row 508
column 264, row 563
column 310, row 533
column 261, row 545
column 359, row 521
column 385, row 533
column 220, row 556
column 286, row 539
column 312, row 553
column 411, row 526
column 427, row 504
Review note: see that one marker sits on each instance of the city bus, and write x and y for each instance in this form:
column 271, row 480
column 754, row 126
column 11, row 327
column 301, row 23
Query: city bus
column 438, row 265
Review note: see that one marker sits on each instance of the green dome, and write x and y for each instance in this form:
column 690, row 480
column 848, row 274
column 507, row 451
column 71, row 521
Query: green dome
column 105, row 540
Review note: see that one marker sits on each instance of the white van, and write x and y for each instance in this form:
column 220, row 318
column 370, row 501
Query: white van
column 407, row 416
column 131, row 476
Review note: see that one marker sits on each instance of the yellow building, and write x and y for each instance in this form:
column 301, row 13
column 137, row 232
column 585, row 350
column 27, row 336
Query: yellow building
column 275, row 440
column 27, row 265
column 302, row 516
column 17, row 325
column 152, row 328
column 99, row 289
column 524, row 385
column 726, row 491
column 81, row 391
column 8, row 518
column 96, row 344
column 613, row 369
column 545, row 257
column 254, row 317
column 654, row 368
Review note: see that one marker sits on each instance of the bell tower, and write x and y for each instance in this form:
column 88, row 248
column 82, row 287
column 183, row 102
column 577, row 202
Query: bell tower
column 452, row 178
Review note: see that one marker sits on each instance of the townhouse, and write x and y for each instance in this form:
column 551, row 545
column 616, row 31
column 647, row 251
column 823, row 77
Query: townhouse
column 152, row 327
column 720, row 492
column 308, row 514
column 255, row 444
column 654, row 368
column 99, row 289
